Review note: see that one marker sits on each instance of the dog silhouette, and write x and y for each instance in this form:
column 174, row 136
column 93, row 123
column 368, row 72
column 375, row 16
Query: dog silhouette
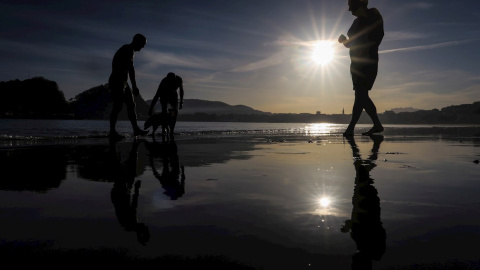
column 159, row 119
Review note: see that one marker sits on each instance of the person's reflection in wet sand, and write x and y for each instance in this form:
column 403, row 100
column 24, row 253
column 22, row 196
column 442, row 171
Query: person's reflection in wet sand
column 124, row 180
column 172, row 177
column 365, row 225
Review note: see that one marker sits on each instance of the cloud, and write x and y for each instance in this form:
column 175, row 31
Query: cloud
column 427, row 47
column 459, row 24
column 277, row 57
column 54, row 53
column 401, row 35
column 156, row 59
column 474, row 78
column 273, row 60
column 420, row 5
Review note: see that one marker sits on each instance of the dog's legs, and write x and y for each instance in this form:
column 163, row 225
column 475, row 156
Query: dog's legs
column 154, row 129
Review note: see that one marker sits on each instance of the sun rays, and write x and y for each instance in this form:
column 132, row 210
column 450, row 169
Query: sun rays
column 316, row 54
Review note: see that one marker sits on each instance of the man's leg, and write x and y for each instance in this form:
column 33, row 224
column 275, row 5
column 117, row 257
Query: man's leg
column 372, row 112
column 368, row 105
column 132, row 115
column 117, row 100
column 117, row 107
column 174, row 112
column 356, row 111
column 174, row 120
column 164, row 104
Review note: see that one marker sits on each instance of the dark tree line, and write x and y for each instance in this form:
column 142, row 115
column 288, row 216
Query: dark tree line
column 32, row 98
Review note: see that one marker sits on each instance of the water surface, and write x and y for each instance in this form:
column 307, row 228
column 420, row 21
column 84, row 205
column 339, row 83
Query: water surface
column 278, row 200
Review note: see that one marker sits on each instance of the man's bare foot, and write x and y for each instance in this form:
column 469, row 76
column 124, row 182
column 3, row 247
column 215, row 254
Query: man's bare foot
column 374, row 129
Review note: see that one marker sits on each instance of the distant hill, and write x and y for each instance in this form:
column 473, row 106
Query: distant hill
column 195, row 106
column 406, row 109
column 96, row 103
column 32, row 98
column 455, row 114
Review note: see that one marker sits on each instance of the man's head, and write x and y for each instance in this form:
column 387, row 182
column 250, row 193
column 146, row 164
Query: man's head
column 355, row 5
column 171, row 75
column 139, row 42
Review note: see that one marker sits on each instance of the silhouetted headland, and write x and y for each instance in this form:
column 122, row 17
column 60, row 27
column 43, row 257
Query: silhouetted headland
column 33, row 98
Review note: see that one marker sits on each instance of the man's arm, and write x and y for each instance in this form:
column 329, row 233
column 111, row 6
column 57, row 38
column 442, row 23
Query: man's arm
column 181, row 96
column 131, row 74
column 131, row 71
column 154, row 101
column 343, row 39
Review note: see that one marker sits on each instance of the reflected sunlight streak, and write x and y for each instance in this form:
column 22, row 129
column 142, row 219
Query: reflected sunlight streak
column 323, row 128
column 326, row 208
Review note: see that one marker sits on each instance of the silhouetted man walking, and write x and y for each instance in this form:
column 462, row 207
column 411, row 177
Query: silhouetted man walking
column 122, row 69
column 364, row 37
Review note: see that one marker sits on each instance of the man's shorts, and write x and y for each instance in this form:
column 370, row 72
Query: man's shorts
column 170, row 99
column 363, row 76
column 121, row 92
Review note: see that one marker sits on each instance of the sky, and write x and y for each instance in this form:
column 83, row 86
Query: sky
column 254, row 53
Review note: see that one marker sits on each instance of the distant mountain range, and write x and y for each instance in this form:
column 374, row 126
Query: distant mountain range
column 406, row 109
column 41, row 98
column 193, row 106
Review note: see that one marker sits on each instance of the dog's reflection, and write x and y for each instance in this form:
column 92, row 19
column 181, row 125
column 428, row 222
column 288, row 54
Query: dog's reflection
column 365, row 225
column 124, row 172
column 172, row 176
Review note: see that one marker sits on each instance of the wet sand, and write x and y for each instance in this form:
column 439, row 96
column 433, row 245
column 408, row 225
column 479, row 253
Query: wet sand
column 251, row 201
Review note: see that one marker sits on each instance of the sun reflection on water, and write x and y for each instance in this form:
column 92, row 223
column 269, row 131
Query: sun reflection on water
column 327, row 215
column 323, row 128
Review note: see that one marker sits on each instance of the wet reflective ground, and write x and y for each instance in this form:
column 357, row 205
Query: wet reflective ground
column 259, row 201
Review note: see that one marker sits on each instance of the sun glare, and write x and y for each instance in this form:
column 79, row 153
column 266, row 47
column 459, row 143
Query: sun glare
column 322, row 52
column 325, row 202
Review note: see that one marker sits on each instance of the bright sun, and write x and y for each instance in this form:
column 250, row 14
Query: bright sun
column 324, row 202
column 322, row 52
